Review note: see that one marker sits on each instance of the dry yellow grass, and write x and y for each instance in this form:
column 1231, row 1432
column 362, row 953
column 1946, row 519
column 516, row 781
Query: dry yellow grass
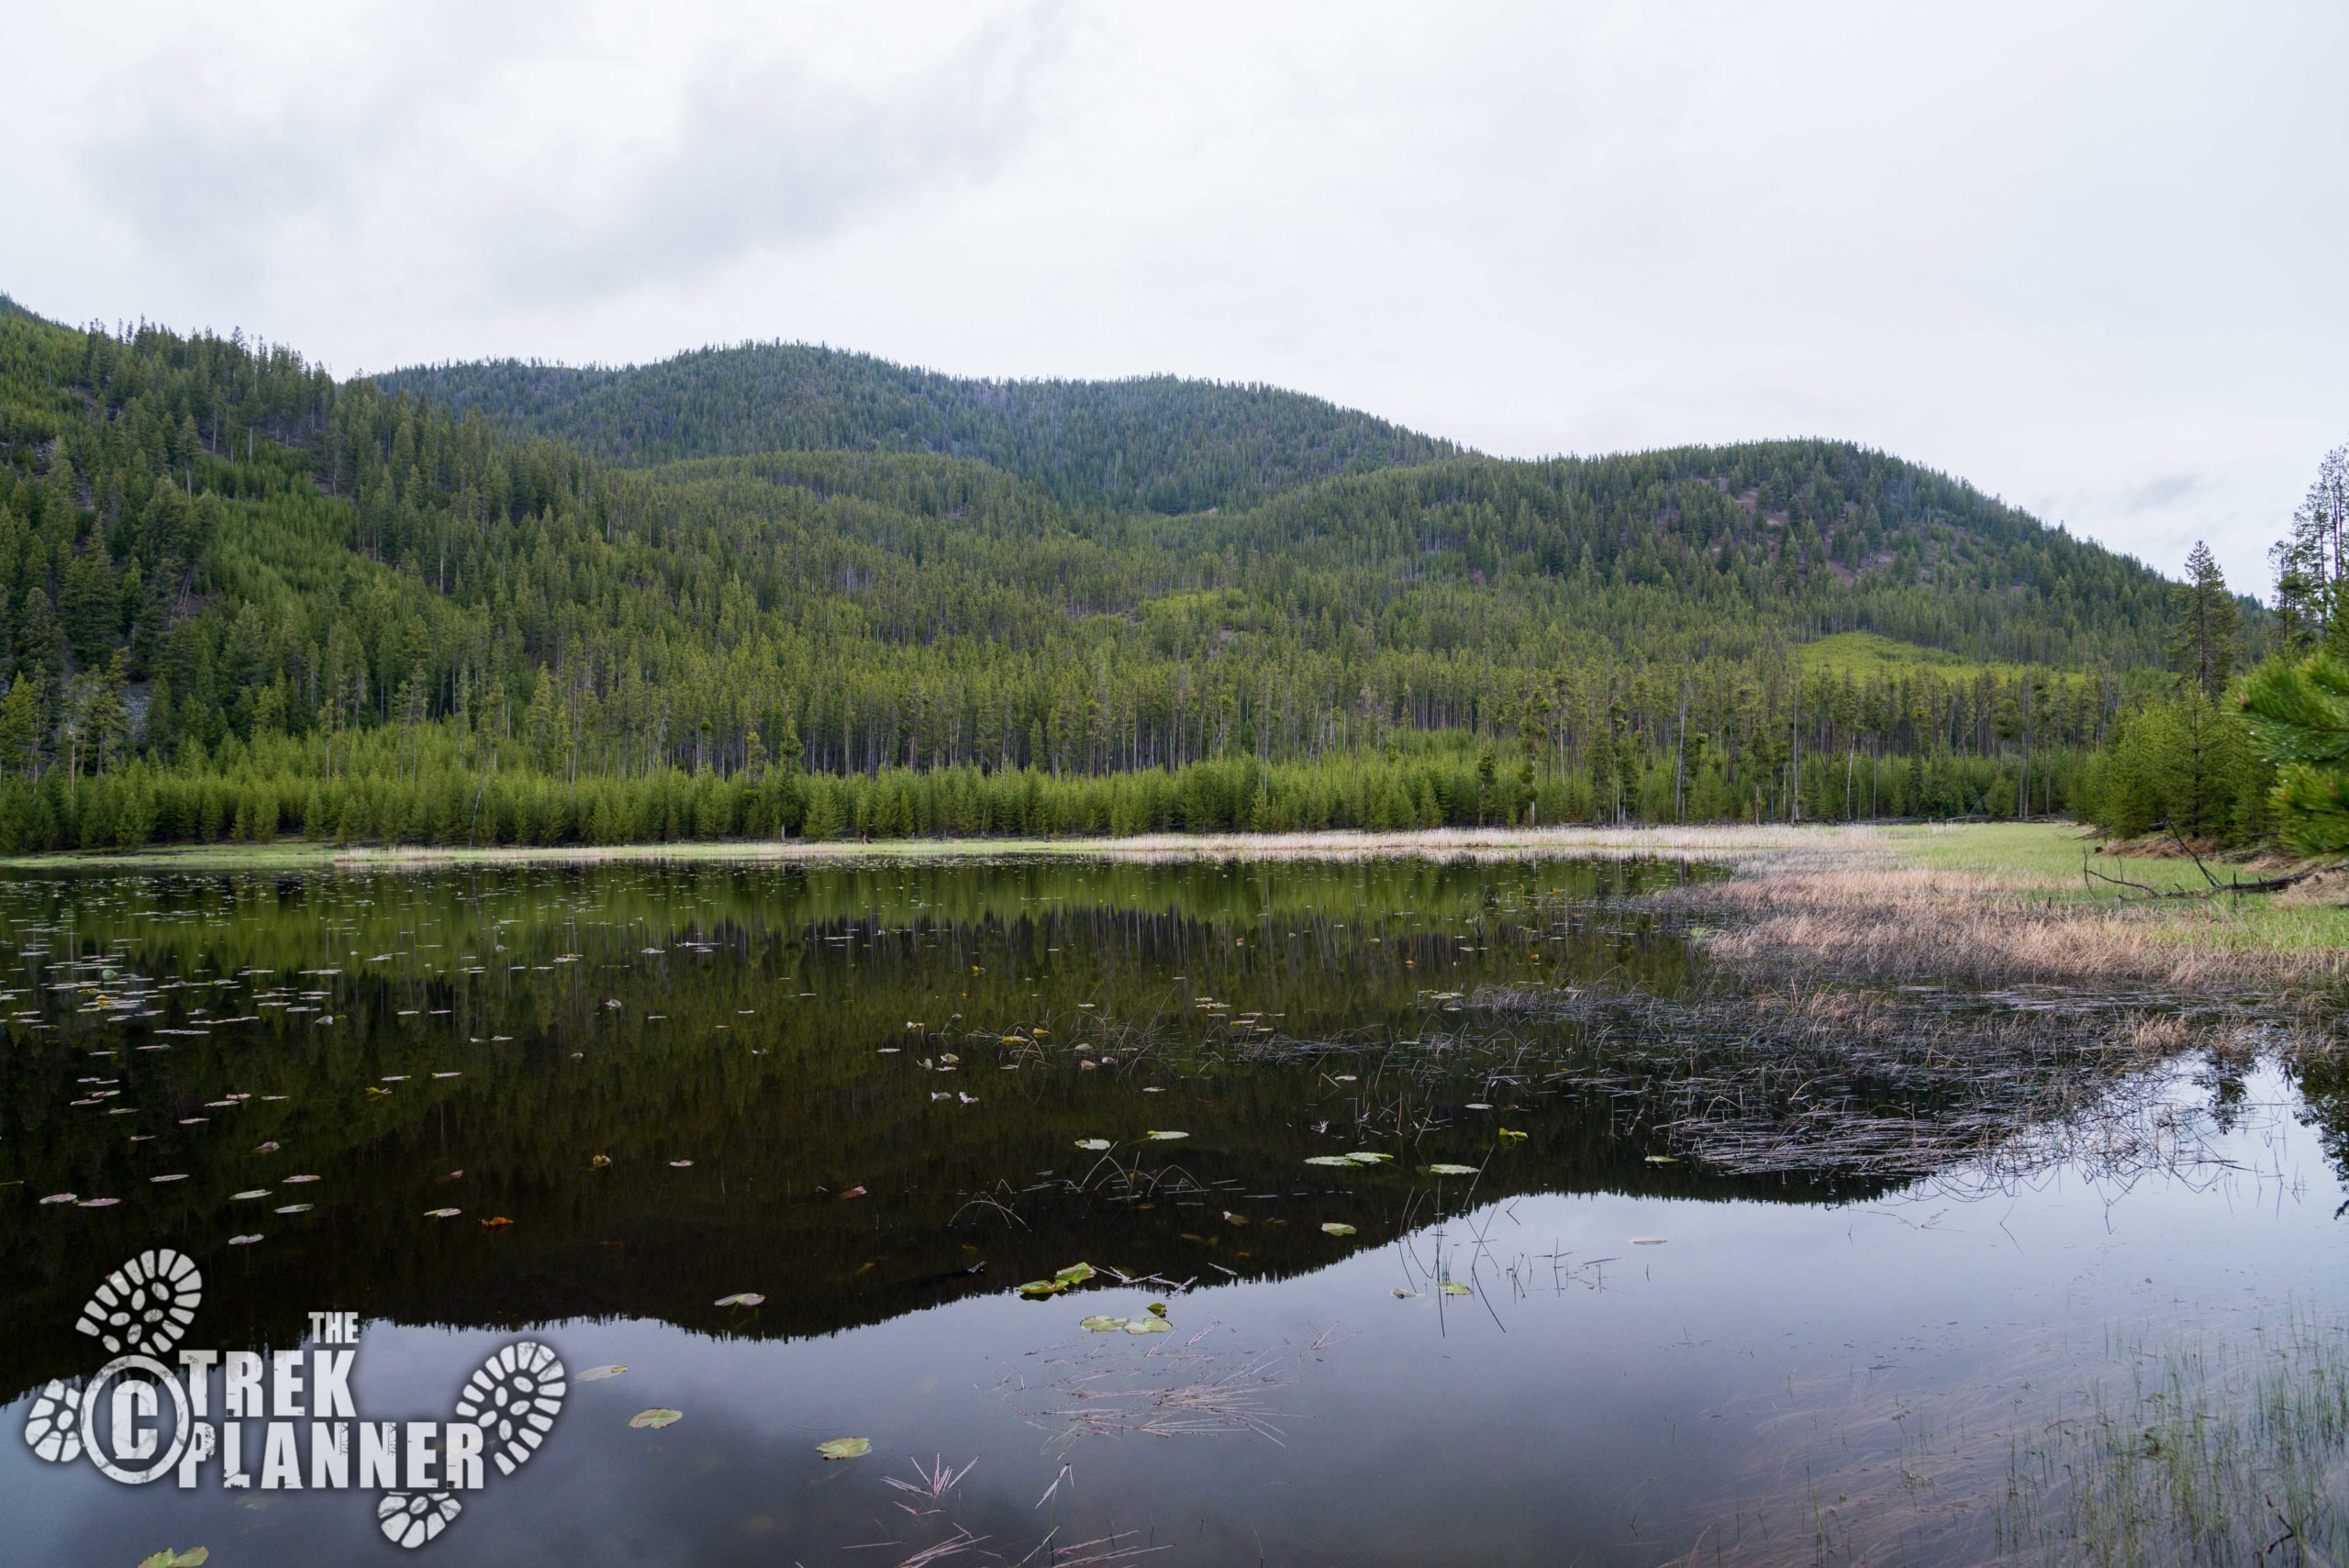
column 1882, row 918
column 1689, row 843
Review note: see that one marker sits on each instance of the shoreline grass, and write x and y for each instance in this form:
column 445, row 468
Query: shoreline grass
column 1997, row 903
column 1692, row 842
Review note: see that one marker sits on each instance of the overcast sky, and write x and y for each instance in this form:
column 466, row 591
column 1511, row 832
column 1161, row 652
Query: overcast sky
column 2092, row 258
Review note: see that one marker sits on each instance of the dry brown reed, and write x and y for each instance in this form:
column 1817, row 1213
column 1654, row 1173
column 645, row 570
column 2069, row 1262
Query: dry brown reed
column 1873, row 919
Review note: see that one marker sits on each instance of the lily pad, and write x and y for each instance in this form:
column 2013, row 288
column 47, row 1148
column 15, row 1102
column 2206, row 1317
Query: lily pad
column 1148, row 1326
column 1095, row 1144
column 97, row 1203
column 1075, row 1274
column 1164, row 1137
column 1369, row 1157
column 62, row 1197
column 597, row 1374
column 1102, row 1325
column 297, row 1208
column 243, row 1240
column 1454, row 1287
column 1335, row 1228
column 1510, row 1136
column 442, row 1213
column 194, row 1557
column 1451, row 1170
column 1330, row 1160
column 845, row 1448
column 248, row 1197
column 656, row 1419
column 742, row 1298
column 1647, row 1240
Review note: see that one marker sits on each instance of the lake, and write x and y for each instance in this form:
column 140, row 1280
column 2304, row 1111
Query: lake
column 1599, row 1289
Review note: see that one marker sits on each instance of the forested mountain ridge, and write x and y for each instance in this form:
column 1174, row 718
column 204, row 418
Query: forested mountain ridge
column 1152, row 443
column 246, row 598
column 1168, row 446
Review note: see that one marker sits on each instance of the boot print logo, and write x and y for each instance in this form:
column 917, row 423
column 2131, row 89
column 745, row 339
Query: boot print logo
column 285, row 1420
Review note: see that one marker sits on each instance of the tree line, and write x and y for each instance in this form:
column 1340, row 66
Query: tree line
column 238, row 599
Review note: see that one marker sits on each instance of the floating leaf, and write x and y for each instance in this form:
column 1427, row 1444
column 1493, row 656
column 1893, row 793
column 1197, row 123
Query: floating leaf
column 270, row 1147
column 290, row 1180
column 1454, row 1287
column 97, row 1203
column 442, row 1213
column 1647, row 1240
column 243, row 1240
column 854, row 1192
column 742, row 1298
column 1406, row 1295
column 494, row 1220
column 1368, row 1157
column 1148, row 1326
column 62, row 1197
column 1075, row 1274
column 845, row 1448
column 297, row 1208
column 1164, row 1137
column 1095, row 1144
column 1040, row 1289
column 597, row 1374
column 1508, row 1136
column 248, row 1197
column 194, row 1557
column 599, row 1162
column 1329, row 1159
column 1102, row 1325
column 1451, row 1170
column 180, row 1177
column 1232, row 1219
column 1662, row 1159
column 1335, row 1228
column 679, row 1164
column 656, row 1419
column 1158, row 1310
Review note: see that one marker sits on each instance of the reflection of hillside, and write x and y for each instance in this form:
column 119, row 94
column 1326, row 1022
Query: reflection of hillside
column 783, row 1100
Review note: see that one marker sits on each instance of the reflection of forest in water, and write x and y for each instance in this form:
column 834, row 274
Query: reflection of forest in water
column 761, row 1023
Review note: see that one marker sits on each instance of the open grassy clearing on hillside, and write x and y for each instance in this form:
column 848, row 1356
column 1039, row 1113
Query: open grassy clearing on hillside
column 1866, row 654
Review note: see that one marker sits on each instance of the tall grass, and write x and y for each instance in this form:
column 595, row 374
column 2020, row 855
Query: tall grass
column 2213, row 1455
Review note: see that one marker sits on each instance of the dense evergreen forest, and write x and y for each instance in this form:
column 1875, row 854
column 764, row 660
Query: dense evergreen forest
column 787, row 590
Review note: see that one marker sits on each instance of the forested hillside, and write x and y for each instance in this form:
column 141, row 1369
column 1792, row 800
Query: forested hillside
column 1155, row 443
column 238, row 598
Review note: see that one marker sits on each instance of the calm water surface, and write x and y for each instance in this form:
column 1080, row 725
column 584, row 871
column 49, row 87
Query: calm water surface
column 858, row 1092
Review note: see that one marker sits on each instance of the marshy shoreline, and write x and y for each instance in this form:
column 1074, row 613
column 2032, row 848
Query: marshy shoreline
column 1993, row 904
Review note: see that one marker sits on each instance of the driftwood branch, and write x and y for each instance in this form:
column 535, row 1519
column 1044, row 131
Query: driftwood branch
column 2238, row 886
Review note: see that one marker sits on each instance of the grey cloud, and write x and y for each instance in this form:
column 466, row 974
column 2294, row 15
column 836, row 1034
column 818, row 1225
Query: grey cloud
column 777, row 155
column 2161, row 492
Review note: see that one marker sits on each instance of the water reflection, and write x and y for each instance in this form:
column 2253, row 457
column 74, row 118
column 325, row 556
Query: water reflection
column 860, row 1092
column 745, row 1045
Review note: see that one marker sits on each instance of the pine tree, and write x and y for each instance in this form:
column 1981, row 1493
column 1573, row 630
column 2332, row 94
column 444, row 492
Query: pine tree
column 2208, row 625
column 2299, row 715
